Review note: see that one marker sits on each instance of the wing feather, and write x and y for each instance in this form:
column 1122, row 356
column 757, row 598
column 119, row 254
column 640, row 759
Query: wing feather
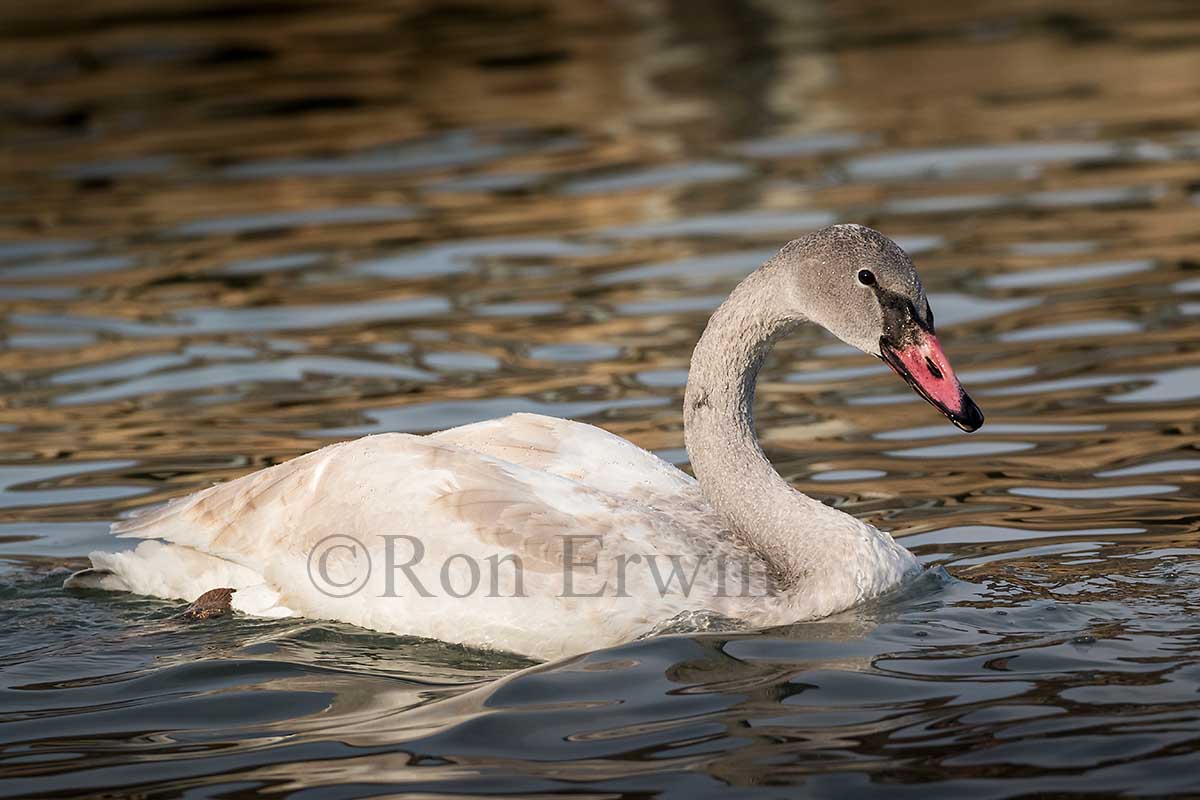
column 578, row 451
column 389, row 482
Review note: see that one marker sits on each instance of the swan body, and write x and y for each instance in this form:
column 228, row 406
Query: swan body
column 530, row 533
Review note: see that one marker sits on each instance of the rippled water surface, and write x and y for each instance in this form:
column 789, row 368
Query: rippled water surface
column 230, row 234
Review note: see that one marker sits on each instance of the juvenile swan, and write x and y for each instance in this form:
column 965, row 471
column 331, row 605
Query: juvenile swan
column 549, row 537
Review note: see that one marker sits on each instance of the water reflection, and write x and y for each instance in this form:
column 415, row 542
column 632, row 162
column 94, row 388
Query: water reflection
column 232, row 234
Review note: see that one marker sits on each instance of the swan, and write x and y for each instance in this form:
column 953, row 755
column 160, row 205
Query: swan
column 549, row 537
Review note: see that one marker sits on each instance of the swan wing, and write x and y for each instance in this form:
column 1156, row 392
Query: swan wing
column 580, row 452
column 451, row 498
column 469, row 515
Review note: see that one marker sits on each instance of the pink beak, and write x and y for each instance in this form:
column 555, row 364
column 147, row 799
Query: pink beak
column 925, row 367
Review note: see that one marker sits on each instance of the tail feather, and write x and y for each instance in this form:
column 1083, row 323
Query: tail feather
column 175, row 572
column 168, row 571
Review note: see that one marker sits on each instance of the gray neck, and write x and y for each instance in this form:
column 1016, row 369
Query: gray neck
column 758, row 505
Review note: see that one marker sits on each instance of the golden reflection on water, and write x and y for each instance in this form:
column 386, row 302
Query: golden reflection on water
column 457, row 194
column 228, row 236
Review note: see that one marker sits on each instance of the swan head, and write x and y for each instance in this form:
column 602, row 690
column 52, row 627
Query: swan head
column 864, row 289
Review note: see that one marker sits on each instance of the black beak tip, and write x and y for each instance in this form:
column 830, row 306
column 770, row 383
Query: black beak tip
column 970, row 418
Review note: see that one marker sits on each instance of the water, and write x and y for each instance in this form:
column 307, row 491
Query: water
column 229, row 235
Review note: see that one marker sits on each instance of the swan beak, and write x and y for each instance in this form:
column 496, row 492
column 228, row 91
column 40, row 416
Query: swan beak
column 926, row 369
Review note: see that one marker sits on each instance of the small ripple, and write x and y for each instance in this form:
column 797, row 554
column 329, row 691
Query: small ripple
column 37, row 498
column 382, row 348
column 578, row 351
column 255, row 266
column 223, row 351
column 1057, row 276
column 1065, row 248
column 465, row 361
column 728, row 224
column 961, row 449
column 950, row 161
column 427, row 417
column 663, row 377
column 956, row 308
column 491, row 182
column 54, row 539
column 1099, row 492
column 10, row 251
column 693, row 270
column 947, row 204
column 803, row 145
column 1177, row 687
column 14, row 476
column 454, row 258
column 848, row 475
column 1103, row 196
column 996, row 375
column 902, row 398
column 525, row 308
column 1154, row 468
column 118, row 168
column 1065, row 198
column 68, row 268
column 937, row 431
column 40, row 292
column 123, row 368
column 1069, row 330
column 288, row 369
column 1081, row 548
column 252, row 223
column 919, row 245
column 1059, row 385
column 238, row 320
column 983, row 534
column 669, row 305
column 836, row 374
column 1167, row 387
column 48, row 341
column 658, row 177
column 453, row 149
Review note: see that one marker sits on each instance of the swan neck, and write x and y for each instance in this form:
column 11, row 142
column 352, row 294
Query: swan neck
column 758, row 505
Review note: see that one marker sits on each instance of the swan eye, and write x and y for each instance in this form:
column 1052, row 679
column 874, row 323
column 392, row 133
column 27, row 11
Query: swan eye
column 866, row 277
